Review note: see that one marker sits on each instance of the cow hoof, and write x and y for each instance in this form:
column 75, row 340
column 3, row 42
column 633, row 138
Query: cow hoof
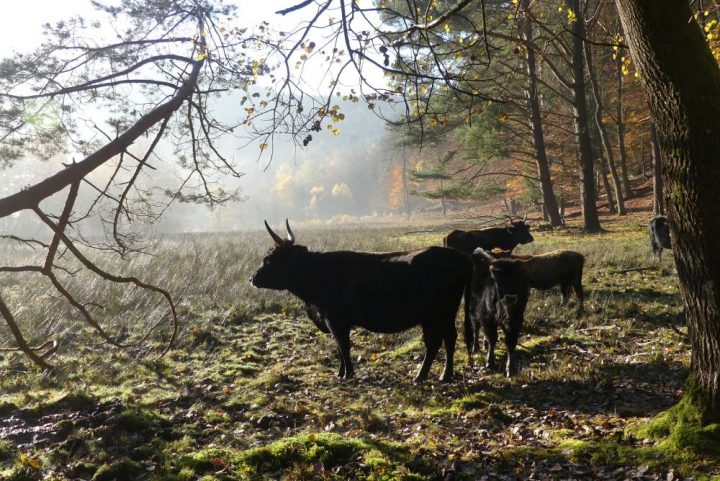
column 446, row 378
column 419, row 379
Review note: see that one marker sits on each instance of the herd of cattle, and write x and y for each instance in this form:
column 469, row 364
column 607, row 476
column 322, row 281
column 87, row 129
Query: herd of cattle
column 392, row 292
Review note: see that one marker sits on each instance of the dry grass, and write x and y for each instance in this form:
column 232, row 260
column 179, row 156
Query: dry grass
column 250, row 392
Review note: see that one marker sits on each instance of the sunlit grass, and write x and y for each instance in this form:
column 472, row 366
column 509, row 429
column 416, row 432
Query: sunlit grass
column 250, row 391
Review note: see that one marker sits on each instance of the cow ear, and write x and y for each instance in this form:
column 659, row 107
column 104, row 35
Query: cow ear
column 510, row 300
column 486, row 257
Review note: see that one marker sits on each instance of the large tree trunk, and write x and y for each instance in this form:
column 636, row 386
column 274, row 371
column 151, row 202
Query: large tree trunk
column 622, row 152
column 604, row 136
column 543, row 167
column 591, row 222
column 682, row 82
column 658, row 201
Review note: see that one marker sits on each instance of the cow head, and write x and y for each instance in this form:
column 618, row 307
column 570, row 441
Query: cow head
column 520, row 231
column 509, row 274
column 281, row 263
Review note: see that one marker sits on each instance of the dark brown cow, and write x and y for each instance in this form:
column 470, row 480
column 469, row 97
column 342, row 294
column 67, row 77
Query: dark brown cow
column 381, row 292
column 506, row 238
column 562, row 268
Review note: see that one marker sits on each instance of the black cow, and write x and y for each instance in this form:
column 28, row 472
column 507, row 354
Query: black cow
column 381, row 292
column 498, row 299
column 659, row 229
column 506, row 238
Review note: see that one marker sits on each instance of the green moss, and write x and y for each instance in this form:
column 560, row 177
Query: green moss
column 120, row 469
column 140, row 420
column 18, row 473
column 686, row 426
column 7, row 450
column 366, row 459
column 68, row 401
column 411, row 346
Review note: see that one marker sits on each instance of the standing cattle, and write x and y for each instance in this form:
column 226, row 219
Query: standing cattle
column 506, row 238
column 386, row 293
column 557, row 268
column 659, row 230
column 498, row 299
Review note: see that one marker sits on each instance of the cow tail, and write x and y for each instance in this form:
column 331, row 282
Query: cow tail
column 469, row 330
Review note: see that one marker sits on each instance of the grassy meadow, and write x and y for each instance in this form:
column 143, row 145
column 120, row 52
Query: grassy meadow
column 250, row 392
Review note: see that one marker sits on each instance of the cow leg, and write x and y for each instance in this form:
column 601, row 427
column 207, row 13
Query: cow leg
column 432, row 345
column 511, row 339
column 491, row 335
column 656, row 249
column 449, row 339
column 476, row 339
column 580, row 294
column 341, row 372
column 564, row 293
column 342, row 337
column 344, row 343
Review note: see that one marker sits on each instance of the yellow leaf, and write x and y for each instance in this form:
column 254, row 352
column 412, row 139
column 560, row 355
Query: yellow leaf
column 30, row 461
column 571, row 16
column 202, row 56
column 336, row 132
column 263, row 146
column 447, row 28
column 311, row 438
column 502, row 117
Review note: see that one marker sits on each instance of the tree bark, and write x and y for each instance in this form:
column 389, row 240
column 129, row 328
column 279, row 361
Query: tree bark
column 606, row 185
column 591, row 221
column 622, row 152
column 603, row 135
column 682, row 82
column 658, row 201
column 541, row 160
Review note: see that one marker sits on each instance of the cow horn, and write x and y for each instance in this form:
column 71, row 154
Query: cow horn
column 278, row 240
column 291, row 236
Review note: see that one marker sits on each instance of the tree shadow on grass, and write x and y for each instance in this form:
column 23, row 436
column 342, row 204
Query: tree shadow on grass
column 629, row 302
column 627, row 392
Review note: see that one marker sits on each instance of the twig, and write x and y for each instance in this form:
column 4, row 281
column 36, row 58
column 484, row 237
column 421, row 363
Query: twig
column 20, row 339
column 684, row 335
column 636, row 269
column 597, row 328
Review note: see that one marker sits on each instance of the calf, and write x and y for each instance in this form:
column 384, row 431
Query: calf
column 557, row 268
column 506, row 238
column 498, row 299
column 659, row 230
column 381, row 292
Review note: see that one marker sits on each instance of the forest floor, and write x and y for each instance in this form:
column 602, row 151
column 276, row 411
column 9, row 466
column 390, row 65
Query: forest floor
column 250, row 390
